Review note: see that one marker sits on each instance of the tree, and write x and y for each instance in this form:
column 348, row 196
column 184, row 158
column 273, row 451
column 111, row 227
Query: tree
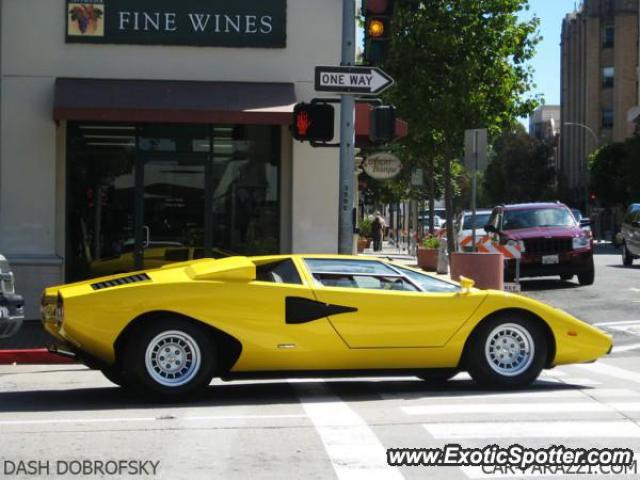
column 521, row 169
column 458, row 64
column 615, row 172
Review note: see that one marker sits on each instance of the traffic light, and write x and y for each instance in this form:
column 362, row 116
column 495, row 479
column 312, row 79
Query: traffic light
column 313, row 122
column 377, row 29
column 382, row 124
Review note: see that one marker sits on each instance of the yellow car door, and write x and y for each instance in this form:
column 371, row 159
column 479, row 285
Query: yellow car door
column 385, row 306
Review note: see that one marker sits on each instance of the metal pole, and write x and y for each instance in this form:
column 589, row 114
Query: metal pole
column 347, row 134
column 474, row 187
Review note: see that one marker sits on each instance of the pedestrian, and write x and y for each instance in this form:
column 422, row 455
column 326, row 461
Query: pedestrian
column 377, row 231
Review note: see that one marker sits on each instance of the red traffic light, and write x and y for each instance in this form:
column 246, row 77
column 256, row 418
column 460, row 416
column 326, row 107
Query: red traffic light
column 313, row 122
column 377, row 7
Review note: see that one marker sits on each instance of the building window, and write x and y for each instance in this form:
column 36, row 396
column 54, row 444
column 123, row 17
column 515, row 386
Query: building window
column 607, row 77
column 607, row 118
column 608, row 35
column 142, row 195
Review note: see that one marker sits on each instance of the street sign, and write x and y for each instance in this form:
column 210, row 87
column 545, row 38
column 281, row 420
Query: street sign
column 475, row 147
column 382, row 166
column 346, row 80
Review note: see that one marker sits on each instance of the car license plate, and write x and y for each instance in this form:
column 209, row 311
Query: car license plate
column 550, row 259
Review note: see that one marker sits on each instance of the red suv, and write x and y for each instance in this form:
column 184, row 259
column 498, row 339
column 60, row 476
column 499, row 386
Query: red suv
column 554, row 243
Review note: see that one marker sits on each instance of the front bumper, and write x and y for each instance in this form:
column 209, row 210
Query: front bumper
column 11, row 314
column 572, row 263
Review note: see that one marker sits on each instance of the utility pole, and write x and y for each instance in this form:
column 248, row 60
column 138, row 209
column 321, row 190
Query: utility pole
column 347, row 134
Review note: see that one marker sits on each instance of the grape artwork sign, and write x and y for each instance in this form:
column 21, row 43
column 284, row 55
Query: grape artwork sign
column 216, row 23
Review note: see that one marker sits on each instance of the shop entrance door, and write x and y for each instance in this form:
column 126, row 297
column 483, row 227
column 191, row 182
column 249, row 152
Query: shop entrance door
column 171, row 201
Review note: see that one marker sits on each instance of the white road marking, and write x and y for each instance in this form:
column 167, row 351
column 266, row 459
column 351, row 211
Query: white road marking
column 489, row 430
column 609, row 324
column 626, row 348
column 581, row 381
column 611, row 371
column 353, row 448
column 145, row 419
column 509, row 408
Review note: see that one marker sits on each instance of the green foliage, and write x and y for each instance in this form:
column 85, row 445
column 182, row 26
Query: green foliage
column 458, row 64
column 615, row 172
column 365, row 227
column 431, row 242
column 521, row 170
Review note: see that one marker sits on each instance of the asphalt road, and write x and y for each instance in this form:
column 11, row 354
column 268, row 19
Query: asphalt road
column 338, row 428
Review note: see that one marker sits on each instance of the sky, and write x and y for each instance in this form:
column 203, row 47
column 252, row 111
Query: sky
column 546, row 63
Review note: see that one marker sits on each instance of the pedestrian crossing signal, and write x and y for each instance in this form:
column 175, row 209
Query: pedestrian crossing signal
column 313, row 122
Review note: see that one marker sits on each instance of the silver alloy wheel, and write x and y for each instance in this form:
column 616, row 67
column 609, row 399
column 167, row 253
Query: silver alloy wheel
column 173, row 358
column 509, row 349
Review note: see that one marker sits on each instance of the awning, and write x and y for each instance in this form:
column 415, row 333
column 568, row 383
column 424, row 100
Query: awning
column 363, row 121
column 173, row 101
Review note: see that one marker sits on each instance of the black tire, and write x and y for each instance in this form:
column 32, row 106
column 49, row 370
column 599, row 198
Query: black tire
column 627, row 258
column 587, row 277
column 486, row 371
column 566, row 276
column 192, row 356
column 438, row 377
column 115, row 376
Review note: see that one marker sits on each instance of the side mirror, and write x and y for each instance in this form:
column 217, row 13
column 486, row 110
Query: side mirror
column 490, row 229
column 466, row 284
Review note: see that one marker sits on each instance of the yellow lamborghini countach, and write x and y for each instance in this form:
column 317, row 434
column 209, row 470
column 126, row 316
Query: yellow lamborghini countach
column 167, row 332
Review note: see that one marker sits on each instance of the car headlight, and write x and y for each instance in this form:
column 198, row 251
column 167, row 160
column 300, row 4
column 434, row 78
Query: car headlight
column 580, row 242
column 59, row 310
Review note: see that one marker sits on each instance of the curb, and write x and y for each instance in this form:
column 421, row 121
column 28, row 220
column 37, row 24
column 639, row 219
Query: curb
column 32, row 357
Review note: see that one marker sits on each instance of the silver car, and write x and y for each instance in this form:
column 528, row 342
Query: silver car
column 631, row 235
column 11, row 304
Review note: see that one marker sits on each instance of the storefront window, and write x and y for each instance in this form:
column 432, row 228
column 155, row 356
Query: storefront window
column 140, row 196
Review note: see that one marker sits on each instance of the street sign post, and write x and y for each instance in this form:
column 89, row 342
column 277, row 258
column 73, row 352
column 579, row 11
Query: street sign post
column 475, row 156
column 352, row 80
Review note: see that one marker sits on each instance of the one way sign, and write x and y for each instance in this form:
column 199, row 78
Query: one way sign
column 362, row 80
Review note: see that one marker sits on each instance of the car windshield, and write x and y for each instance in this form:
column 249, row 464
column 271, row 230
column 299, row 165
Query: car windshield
column 481, row 220
column 538, row 217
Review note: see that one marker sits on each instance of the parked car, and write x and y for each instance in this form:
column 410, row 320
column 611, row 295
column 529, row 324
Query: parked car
column 167, row 332
column 584, row 222
column 11, row 304
column 554, row 243
column 630, row 232
column 464, row 227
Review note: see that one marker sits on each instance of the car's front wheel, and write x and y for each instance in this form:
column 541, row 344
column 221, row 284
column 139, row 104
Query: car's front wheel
column 506, row 351
column 170, row 358
column 627, row 258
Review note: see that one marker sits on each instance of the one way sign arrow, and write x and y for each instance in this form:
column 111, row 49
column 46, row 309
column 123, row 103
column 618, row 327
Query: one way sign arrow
column 362, row 80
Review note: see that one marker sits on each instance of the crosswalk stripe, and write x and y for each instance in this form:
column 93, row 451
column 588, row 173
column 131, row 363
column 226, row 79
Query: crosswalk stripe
column 611, row 371
column 353, row 448
column 626, row 348
column 483, row 430
column 509, row 408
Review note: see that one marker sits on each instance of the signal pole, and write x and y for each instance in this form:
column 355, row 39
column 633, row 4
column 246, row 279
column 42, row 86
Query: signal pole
column 347, row 135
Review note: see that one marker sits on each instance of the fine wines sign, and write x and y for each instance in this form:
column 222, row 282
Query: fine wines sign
column 214, row 23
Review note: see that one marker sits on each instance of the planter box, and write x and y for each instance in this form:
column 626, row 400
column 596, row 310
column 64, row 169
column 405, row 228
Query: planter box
column 363, row 243
column 428, row 259
column 487, row 269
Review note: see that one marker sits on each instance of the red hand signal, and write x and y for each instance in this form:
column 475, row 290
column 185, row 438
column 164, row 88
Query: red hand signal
column 303, row 123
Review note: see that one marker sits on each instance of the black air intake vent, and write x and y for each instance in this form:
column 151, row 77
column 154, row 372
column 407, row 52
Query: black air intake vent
column 140, row 277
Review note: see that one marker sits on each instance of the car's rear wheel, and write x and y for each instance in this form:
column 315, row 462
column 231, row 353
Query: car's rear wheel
column 170, row 358
column 627, row 258
column 507, row 351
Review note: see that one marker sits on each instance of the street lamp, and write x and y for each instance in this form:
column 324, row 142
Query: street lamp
column 586, row 169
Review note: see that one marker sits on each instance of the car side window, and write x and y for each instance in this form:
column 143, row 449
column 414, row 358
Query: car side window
column 369, row 282
column 283, row 271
